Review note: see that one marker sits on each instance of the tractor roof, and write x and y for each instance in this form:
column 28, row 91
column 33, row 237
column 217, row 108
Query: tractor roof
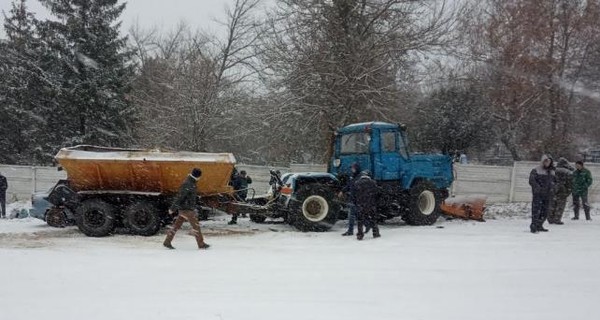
column 357, row 127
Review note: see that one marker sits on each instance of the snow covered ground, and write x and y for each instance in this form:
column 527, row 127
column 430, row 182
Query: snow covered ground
column 453, row 270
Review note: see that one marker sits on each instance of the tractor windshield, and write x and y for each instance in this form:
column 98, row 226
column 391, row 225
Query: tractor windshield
column 355, row 143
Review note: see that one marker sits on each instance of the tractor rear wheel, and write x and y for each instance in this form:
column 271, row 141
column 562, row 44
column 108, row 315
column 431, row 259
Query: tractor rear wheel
column 424, row 205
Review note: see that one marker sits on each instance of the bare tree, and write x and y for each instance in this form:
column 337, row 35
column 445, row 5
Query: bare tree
column 532, row 54
column 189, row 82
column 342, row 61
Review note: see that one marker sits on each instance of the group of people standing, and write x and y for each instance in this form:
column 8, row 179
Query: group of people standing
column 551, row 186
column 361, row 193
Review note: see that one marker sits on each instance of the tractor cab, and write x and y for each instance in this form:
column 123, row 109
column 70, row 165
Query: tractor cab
column 379, row 147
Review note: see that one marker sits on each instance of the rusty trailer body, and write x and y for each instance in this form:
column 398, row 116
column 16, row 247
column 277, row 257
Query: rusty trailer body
column 91, row 168
column 111, row 187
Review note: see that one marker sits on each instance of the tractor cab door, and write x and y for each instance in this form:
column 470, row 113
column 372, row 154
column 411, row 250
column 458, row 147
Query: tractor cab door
column 350, row 148
column 391, row 156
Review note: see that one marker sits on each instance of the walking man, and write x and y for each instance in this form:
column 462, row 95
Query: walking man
column 564, row 187
column 582, row 180
column 542, row 180
column 349, row 192
column 367, row 194
column 185, row 203
column 3, row 187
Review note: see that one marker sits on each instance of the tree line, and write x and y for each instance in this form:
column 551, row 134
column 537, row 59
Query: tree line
column 276, row 82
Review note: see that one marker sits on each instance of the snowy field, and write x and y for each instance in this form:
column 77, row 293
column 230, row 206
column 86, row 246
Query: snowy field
column 453, row 270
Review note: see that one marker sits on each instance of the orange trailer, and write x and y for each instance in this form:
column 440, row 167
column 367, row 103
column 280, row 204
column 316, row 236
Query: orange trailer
column 109, row 187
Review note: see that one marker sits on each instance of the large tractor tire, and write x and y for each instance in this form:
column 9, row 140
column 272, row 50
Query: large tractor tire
column 314, row 209
column 257, row 218
column 55, row 217
column 96, row 218
column 424, row 205
column 142, row 218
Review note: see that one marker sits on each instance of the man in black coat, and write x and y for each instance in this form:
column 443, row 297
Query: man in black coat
column 542, row 180
column 185, row 204
column 349, row 193
column 564, row 187
column 3, row 187
column 366, row 196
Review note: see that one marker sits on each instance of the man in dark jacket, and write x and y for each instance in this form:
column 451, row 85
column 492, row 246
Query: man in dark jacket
column 3, row 187
column 542, row 180
column 185, row 203
column 564, row 187
column 366, row 196
column 349, row 193
column 240, row 184
column 582, row 181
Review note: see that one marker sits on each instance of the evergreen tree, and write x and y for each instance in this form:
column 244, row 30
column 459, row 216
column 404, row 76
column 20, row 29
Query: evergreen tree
column 27, row 91
column 96, row 71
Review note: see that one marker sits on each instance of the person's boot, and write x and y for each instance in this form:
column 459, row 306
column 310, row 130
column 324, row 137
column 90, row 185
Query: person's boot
column 542, row 229
column 533, row 229
column 169, row 239
column 204, row 246
column 587, row 215
column 232, row 222
column 347, row 233
column 559, row 222
column 360, row 236
column 376, row 234
column 168, row 245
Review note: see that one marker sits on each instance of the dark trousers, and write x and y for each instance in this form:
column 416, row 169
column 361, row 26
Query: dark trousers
column 190, row 216
column 558, row 208
column 239, row 196
column 367, row 216
column 351, row 217
column 576, row 205
column 540, row 205
column 3, row 203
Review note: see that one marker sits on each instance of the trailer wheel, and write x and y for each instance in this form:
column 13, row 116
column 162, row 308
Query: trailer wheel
column 55, row 217
column 96, row 218
column 257, row 218
column 142, row 218
column 314, row 209
column 424, row 205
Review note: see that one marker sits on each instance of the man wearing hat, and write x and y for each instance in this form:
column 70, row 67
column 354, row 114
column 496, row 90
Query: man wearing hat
column 582, row 181
column 185, row 203
column 366, row 198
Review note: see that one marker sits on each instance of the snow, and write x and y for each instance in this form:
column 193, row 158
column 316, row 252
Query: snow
column 114, row 154
column 454, row 270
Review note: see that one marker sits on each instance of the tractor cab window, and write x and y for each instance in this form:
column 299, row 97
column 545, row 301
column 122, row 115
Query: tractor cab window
column 355, row 143
column 403, row 145
column 388, row 141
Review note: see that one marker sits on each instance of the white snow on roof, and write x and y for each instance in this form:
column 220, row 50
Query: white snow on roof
column 142, row 155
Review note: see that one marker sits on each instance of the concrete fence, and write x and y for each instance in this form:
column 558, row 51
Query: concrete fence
column 499, row 183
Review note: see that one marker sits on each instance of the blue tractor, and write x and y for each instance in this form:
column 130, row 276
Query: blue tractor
column 413, row 185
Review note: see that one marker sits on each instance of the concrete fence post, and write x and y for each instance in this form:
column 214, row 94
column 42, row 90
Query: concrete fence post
column 513, row 175
column 33, row 179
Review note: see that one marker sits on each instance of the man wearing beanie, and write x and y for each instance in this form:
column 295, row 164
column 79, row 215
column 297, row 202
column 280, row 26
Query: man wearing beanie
column 185, row 203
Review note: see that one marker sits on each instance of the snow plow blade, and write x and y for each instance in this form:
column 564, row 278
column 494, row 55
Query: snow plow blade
column 465, row 207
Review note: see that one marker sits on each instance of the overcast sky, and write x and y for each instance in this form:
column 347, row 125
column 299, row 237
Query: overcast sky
column 149, row 13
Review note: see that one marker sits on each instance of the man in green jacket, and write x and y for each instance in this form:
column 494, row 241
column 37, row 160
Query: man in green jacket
column 185, row 203
column 582, row 180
